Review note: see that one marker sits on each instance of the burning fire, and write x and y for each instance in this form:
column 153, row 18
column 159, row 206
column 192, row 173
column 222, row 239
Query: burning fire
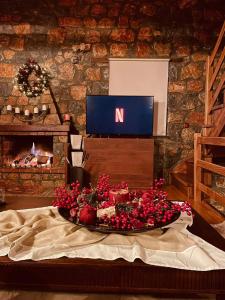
column 34, row 158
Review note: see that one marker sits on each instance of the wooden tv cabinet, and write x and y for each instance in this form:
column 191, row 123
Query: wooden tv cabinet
column 124, row 159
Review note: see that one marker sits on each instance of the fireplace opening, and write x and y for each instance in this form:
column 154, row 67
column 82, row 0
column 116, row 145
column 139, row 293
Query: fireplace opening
column 27, row 151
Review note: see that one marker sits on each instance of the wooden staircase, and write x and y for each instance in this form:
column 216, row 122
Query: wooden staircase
column 215, row 89
column 188, row 171
column 182, row 177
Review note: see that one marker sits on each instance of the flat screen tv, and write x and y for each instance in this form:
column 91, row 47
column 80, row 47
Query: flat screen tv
column 119, row 115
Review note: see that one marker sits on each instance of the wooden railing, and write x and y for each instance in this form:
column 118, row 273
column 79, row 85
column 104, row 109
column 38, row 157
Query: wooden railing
column 214, row 112
column 200, row 165
column 214, row 125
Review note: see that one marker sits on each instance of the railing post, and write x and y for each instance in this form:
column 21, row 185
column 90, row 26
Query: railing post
column 197, row 169
column 208, row 97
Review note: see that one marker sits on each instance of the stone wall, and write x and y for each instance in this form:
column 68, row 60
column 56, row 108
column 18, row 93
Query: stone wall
column 48, row 32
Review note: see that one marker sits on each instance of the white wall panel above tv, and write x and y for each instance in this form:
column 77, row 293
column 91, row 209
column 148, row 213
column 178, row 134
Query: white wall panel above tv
column 142, row 77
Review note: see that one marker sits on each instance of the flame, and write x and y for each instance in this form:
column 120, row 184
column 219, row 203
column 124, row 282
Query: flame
column 33, row 151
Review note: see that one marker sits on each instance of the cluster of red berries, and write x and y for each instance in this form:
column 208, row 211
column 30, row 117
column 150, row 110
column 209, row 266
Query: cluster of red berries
column 146, row 214
column 67, row 198
column 158, row 183
column 103, row 186
column 123, row 221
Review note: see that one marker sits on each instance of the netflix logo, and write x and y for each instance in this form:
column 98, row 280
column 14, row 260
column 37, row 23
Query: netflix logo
column 119, row 115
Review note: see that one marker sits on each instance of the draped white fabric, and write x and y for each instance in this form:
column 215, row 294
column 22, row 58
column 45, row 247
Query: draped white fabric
column 28, row 295
column 42, row 233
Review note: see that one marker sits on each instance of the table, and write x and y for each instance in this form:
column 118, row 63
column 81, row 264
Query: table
column 119, row 276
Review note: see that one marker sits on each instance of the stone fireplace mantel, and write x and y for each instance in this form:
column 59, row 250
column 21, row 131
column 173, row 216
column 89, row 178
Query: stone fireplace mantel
column 34, row 129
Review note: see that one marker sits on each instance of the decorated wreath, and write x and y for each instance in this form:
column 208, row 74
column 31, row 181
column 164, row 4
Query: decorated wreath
column 39, row 82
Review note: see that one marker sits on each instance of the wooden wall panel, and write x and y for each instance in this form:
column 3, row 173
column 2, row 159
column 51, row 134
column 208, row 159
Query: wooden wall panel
column 124, row 159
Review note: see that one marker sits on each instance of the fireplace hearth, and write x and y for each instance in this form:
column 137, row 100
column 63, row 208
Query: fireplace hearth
column 33, row 158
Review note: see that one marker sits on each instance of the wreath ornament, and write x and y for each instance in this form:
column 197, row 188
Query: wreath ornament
column 31, row 79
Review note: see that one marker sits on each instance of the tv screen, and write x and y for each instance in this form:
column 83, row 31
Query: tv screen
column 119, row 115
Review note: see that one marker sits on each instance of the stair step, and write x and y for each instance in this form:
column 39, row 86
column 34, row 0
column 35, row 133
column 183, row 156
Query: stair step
column 190, row 169
column 184, row 179
column 183, row 182
column 190, row 160
column 219, row 106
column 208, row 126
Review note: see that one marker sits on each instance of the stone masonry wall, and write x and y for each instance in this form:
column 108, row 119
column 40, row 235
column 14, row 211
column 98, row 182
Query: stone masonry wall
column 47, row 31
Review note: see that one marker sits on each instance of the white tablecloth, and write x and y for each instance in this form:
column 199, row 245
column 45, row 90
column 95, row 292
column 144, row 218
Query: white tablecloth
column 42, row 233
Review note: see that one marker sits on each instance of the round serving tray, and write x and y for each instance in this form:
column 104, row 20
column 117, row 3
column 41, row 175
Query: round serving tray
column 65, row 213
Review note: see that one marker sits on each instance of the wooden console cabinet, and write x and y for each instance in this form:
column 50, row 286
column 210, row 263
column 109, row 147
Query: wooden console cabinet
column 124, row 159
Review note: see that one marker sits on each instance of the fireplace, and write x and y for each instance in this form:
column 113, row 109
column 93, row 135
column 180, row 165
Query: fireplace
column 27, row 151
column 33, row 159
